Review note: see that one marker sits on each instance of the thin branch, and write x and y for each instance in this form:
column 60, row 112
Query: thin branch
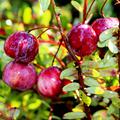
column 85, row 10
column 59, row 60
column 41, row 27
column 66, row 41
column 102, row 13
column 38, row 66
column 89, row 9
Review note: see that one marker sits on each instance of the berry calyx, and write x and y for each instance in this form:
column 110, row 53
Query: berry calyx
column 103, row 24
column 49, row 83
column 22, row 46
column 19, row 76
column 82, row 39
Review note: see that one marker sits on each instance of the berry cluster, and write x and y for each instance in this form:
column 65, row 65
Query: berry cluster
column 20, row 73
column 83, row 38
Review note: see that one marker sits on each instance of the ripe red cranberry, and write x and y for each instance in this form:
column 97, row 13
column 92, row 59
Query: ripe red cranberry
column 49, row 83
column 103, row 24
column 2, row 31
column 19, row 76
column 82, row 39
column 22, row 46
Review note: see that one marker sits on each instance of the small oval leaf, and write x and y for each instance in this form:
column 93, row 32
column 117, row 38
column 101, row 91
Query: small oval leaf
column 74, row 115
column 71, row 87
column 44, row 4
column 112, row 47
column 69, row 73
column 77, row 6
column 107, row 34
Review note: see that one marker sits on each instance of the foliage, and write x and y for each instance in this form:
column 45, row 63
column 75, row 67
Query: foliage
column 100, row 74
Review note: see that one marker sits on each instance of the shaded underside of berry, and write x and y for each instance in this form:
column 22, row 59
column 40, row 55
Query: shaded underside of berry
column 19, row 76
column 21, row 46
column 82, row 39
column 49, row 83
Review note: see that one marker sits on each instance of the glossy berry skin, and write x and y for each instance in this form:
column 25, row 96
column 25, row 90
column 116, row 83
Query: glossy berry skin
column 19, row 76
column 22, row 46
column 49, row 83
column 82, row 39
column 103, row 24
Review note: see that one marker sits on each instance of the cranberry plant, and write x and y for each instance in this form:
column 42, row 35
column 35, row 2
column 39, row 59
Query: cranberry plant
column 60, row 60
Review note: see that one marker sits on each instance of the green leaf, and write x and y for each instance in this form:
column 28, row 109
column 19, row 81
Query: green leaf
column 77, row 5
column 107, row 34
column 116, row 102
column 85, row 98
column 109, row 94
column 71, row 87
column 69, row 73
column 44, row 4
column 91, row 82
column 102, row 44
column 74, row 115
column 95, row 90
column 112, row 47
column 113, row 110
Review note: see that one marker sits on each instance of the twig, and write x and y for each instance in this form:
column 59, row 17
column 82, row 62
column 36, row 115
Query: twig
column 89, row 9
column 38, row 66
column 85, row 10
column 41, row 27
column 50, row 115
column 66, row 41
column 102, row 13
column 59, row 60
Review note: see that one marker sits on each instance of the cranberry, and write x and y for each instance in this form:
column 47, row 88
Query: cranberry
column 22, row 46
column 49, row 82
column 19, row 76
column 103, row 24
column 2, row 31
column 82, row 39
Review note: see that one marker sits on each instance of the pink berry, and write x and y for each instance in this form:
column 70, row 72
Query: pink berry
column 49, row 83
column 19, row 76
column 22, row 46
column 82, row 39
column 103, row 24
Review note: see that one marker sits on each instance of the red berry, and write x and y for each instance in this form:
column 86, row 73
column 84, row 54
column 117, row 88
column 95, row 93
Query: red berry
column 82, row 39
column 22, row 46
column 19, row 76
column 103, row 24
column 49, row 82
column 2, row 31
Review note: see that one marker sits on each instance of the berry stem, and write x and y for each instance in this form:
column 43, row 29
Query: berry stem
column 58, row 59
column 89, row 9
column 42, row 27
column 38, row 66
column 102, row 13
column 66, row 41
column 85, row 10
